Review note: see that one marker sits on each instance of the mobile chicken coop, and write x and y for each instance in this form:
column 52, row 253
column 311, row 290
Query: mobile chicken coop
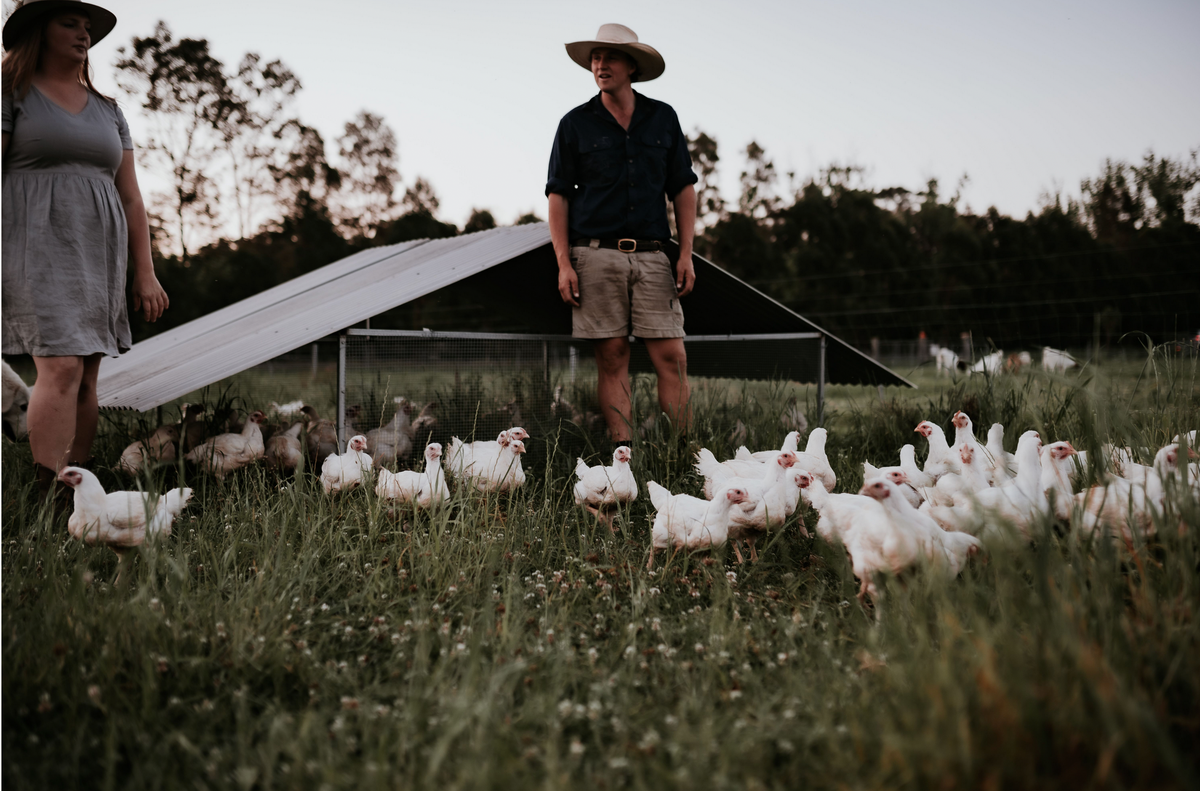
column 481, row 308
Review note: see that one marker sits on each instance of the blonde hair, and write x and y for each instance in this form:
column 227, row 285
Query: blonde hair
column 21, row 62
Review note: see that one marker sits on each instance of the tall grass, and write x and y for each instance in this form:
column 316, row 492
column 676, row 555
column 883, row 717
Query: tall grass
column 282, row 638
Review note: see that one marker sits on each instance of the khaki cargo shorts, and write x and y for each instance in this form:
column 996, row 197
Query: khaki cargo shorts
column 623, row 294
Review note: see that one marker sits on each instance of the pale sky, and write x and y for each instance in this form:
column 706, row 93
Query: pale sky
column 1024, row 97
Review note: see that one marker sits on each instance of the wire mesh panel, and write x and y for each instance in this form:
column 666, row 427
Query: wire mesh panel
column 474, row 385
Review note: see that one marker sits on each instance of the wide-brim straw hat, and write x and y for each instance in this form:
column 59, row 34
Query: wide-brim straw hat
column 650, row 63
column 30, row 11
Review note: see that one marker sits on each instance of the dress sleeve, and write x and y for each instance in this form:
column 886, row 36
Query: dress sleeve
column 679, row 163
column 10, row 113
column 562, row 163
column 123, row 131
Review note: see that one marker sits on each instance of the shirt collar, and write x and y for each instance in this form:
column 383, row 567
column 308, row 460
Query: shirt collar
column 643, row 107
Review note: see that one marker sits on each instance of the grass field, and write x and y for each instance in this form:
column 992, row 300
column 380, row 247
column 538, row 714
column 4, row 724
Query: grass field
column 282, row 638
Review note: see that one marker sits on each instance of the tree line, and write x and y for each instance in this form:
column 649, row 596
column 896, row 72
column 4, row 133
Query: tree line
column 255, row 199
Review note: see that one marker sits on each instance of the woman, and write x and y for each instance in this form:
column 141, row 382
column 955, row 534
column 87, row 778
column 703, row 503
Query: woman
column 72, row 216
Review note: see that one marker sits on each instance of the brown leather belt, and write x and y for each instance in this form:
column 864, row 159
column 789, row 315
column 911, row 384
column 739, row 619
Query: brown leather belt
column 624, row 245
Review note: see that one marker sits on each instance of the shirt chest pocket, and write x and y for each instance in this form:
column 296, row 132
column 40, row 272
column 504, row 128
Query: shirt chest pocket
column 656, row 148
column 599, row 160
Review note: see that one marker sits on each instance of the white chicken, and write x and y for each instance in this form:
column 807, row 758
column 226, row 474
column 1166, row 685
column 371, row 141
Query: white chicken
column 945, row 551
column 427, row 489
column 769, row 495
column 682, row 521
column 877, row 546
column 341, row 473
column 1004, row 464
column 790, row 442
column 835, row 510
column 1125, row 508
column 282, row 452
column 940, row 460
column 290, row 409
column 601, row 490
column 225, row 453
column 954, row 488
column 490, row 466
column 812, row 458
column 1017, row 502
column 917, row 478
column 120, row 520
column 1057, row 466
column 161, row 446
column 16, row 396
column 990, row 364
column 964, row 434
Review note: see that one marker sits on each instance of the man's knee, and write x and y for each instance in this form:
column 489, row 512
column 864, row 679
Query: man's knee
column 670, row 357
column 612, row 356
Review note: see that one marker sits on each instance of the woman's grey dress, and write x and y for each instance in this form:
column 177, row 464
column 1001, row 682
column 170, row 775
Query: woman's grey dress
column 65, row 238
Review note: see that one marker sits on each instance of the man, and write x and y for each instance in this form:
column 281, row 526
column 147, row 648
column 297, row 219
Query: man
column 614, row 160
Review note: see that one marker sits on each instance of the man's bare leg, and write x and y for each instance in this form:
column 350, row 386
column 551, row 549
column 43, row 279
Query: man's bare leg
column 670, row 364
column 612, row 364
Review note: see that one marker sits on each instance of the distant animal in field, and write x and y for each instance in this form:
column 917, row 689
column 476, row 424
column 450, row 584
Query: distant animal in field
column 290, row 409
column 1056, row 361
column 991, row 364
column 946, row 361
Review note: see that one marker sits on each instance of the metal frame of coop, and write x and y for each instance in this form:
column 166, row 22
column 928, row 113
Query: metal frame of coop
column 546, row 340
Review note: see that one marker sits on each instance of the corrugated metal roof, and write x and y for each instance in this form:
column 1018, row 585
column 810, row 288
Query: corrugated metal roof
column 301, row 311
column 346, row 292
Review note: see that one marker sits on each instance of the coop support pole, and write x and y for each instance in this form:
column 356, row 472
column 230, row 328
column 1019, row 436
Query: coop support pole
column 546, row 361
column 314, row 361
column 821, row 383
column 341, row 409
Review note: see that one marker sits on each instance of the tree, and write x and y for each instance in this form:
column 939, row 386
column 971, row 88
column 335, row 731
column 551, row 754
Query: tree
column 758, row 198
column 369, row 174
column 528, row 218
column 1163, row 186
column 186, row 97
column 480, row 220
column 709, row 203
column 1113, row 205
column 299, row 168
column 251, row 130
column 420, row 198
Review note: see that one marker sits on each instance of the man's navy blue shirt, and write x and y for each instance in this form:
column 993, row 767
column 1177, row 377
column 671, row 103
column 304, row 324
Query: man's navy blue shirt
column 615, row 179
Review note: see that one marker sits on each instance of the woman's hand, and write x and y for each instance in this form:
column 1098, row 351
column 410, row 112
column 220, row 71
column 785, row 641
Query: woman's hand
column 148, row 296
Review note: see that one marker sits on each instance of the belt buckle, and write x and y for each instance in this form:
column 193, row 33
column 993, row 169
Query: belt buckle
column 632, row 245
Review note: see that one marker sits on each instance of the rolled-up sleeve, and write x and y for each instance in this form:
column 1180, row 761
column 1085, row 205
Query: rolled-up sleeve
column 561, row 179
column 679, row 163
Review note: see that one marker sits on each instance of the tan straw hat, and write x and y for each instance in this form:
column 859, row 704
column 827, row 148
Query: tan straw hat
column 30, row 11
column 650, row 63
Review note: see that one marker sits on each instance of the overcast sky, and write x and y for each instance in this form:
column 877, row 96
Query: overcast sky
column 1024, row 97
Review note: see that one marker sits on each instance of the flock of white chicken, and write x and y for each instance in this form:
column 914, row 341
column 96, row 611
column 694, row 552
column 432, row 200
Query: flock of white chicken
column 937, row 516
column 966, row 495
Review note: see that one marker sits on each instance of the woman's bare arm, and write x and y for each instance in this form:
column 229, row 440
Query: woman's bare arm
column 148, row 296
